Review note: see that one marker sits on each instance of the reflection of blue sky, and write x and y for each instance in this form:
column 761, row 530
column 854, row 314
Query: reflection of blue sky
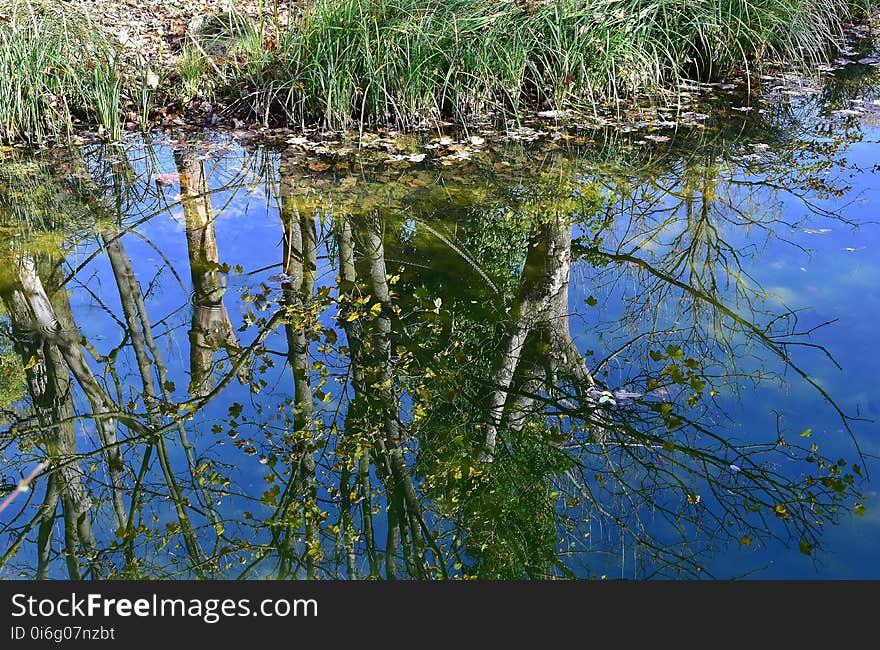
column 827, row 270
column 825, row 276
column 837, row 279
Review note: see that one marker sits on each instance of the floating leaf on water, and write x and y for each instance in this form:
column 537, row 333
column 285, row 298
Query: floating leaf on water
column 167, row 178
column 674, row 352
column 319, row 166
column 552, row 114
column 626, row 394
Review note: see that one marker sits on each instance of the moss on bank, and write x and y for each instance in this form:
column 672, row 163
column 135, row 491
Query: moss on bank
column 345, row 63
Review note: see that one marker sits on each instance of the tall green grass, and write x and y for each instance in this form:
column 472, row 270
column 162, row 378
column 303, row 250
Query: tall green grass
column 55, row 67
column 408, row 62
column 343, row 63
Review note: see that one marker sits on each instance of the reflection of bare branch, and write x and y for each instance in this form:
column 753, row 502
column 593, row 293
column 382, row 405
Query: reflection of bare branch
column 760, row 334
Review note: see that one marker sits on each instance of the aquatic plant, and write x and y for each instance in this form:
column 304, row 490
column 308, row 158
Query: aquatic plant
column 407, row 63
column 56, row 67
column 410, row 62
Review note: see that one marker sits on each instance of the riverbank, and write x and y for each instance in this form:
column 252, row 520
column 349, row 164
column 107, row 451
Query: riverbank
column 353, row 64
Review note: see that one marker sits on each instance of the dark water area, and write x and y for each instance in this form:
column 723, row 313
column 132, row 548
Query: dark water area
column 640, row 352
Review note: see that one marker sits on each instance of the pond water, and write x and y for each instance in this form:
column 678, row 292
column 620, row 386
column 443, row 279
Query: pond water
column 642, row 352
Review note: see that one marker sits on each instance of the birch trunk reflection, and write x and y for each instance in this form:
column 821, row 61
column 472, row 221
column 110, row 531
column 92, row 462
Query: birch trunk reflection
column 299, row 264
column 211, row 327
column 375, row 407
column 38, row 341
column 139, row 331
column 357, row 429
column 541, row 304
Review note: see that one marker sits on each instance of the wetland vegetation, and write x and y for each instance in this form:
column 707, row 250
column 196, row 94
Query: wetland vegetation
column 401, row 63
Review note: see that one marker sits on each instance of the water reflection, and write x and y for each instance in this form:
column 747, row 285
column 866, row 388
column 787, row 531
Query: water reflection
column 533, row 363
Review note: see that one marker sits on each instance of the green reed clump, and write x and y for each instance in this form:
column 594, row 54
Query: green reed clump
column 344, row 63
column 55, row 67
column 407, row 62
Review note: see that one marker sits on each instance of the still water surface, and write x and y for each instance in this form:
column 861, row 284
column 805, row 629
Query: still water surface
column 623, row 353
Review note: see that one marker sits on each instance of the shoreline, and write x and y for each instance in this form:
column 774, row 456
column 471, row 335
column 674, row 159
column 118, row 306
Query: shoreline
column 200, row 66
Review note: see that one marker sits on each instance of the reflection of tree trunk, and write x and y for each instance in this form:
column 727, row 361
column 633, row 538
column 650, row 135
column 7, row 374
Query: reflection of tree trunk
column 346, row 523
column 54, row 322
column 299, row 264
column 518, row 409
column 211, row 327
column 347, row 449
column 402, row 496
column 139, row 329
column 48, row 378
column 541, row 302
column 373, row 431
column 356, row 414
column 47, row 524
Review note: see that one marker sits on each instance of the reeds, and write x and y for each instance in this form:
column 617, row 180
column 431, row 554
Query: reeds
column 407, row 63
column 55, row 68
